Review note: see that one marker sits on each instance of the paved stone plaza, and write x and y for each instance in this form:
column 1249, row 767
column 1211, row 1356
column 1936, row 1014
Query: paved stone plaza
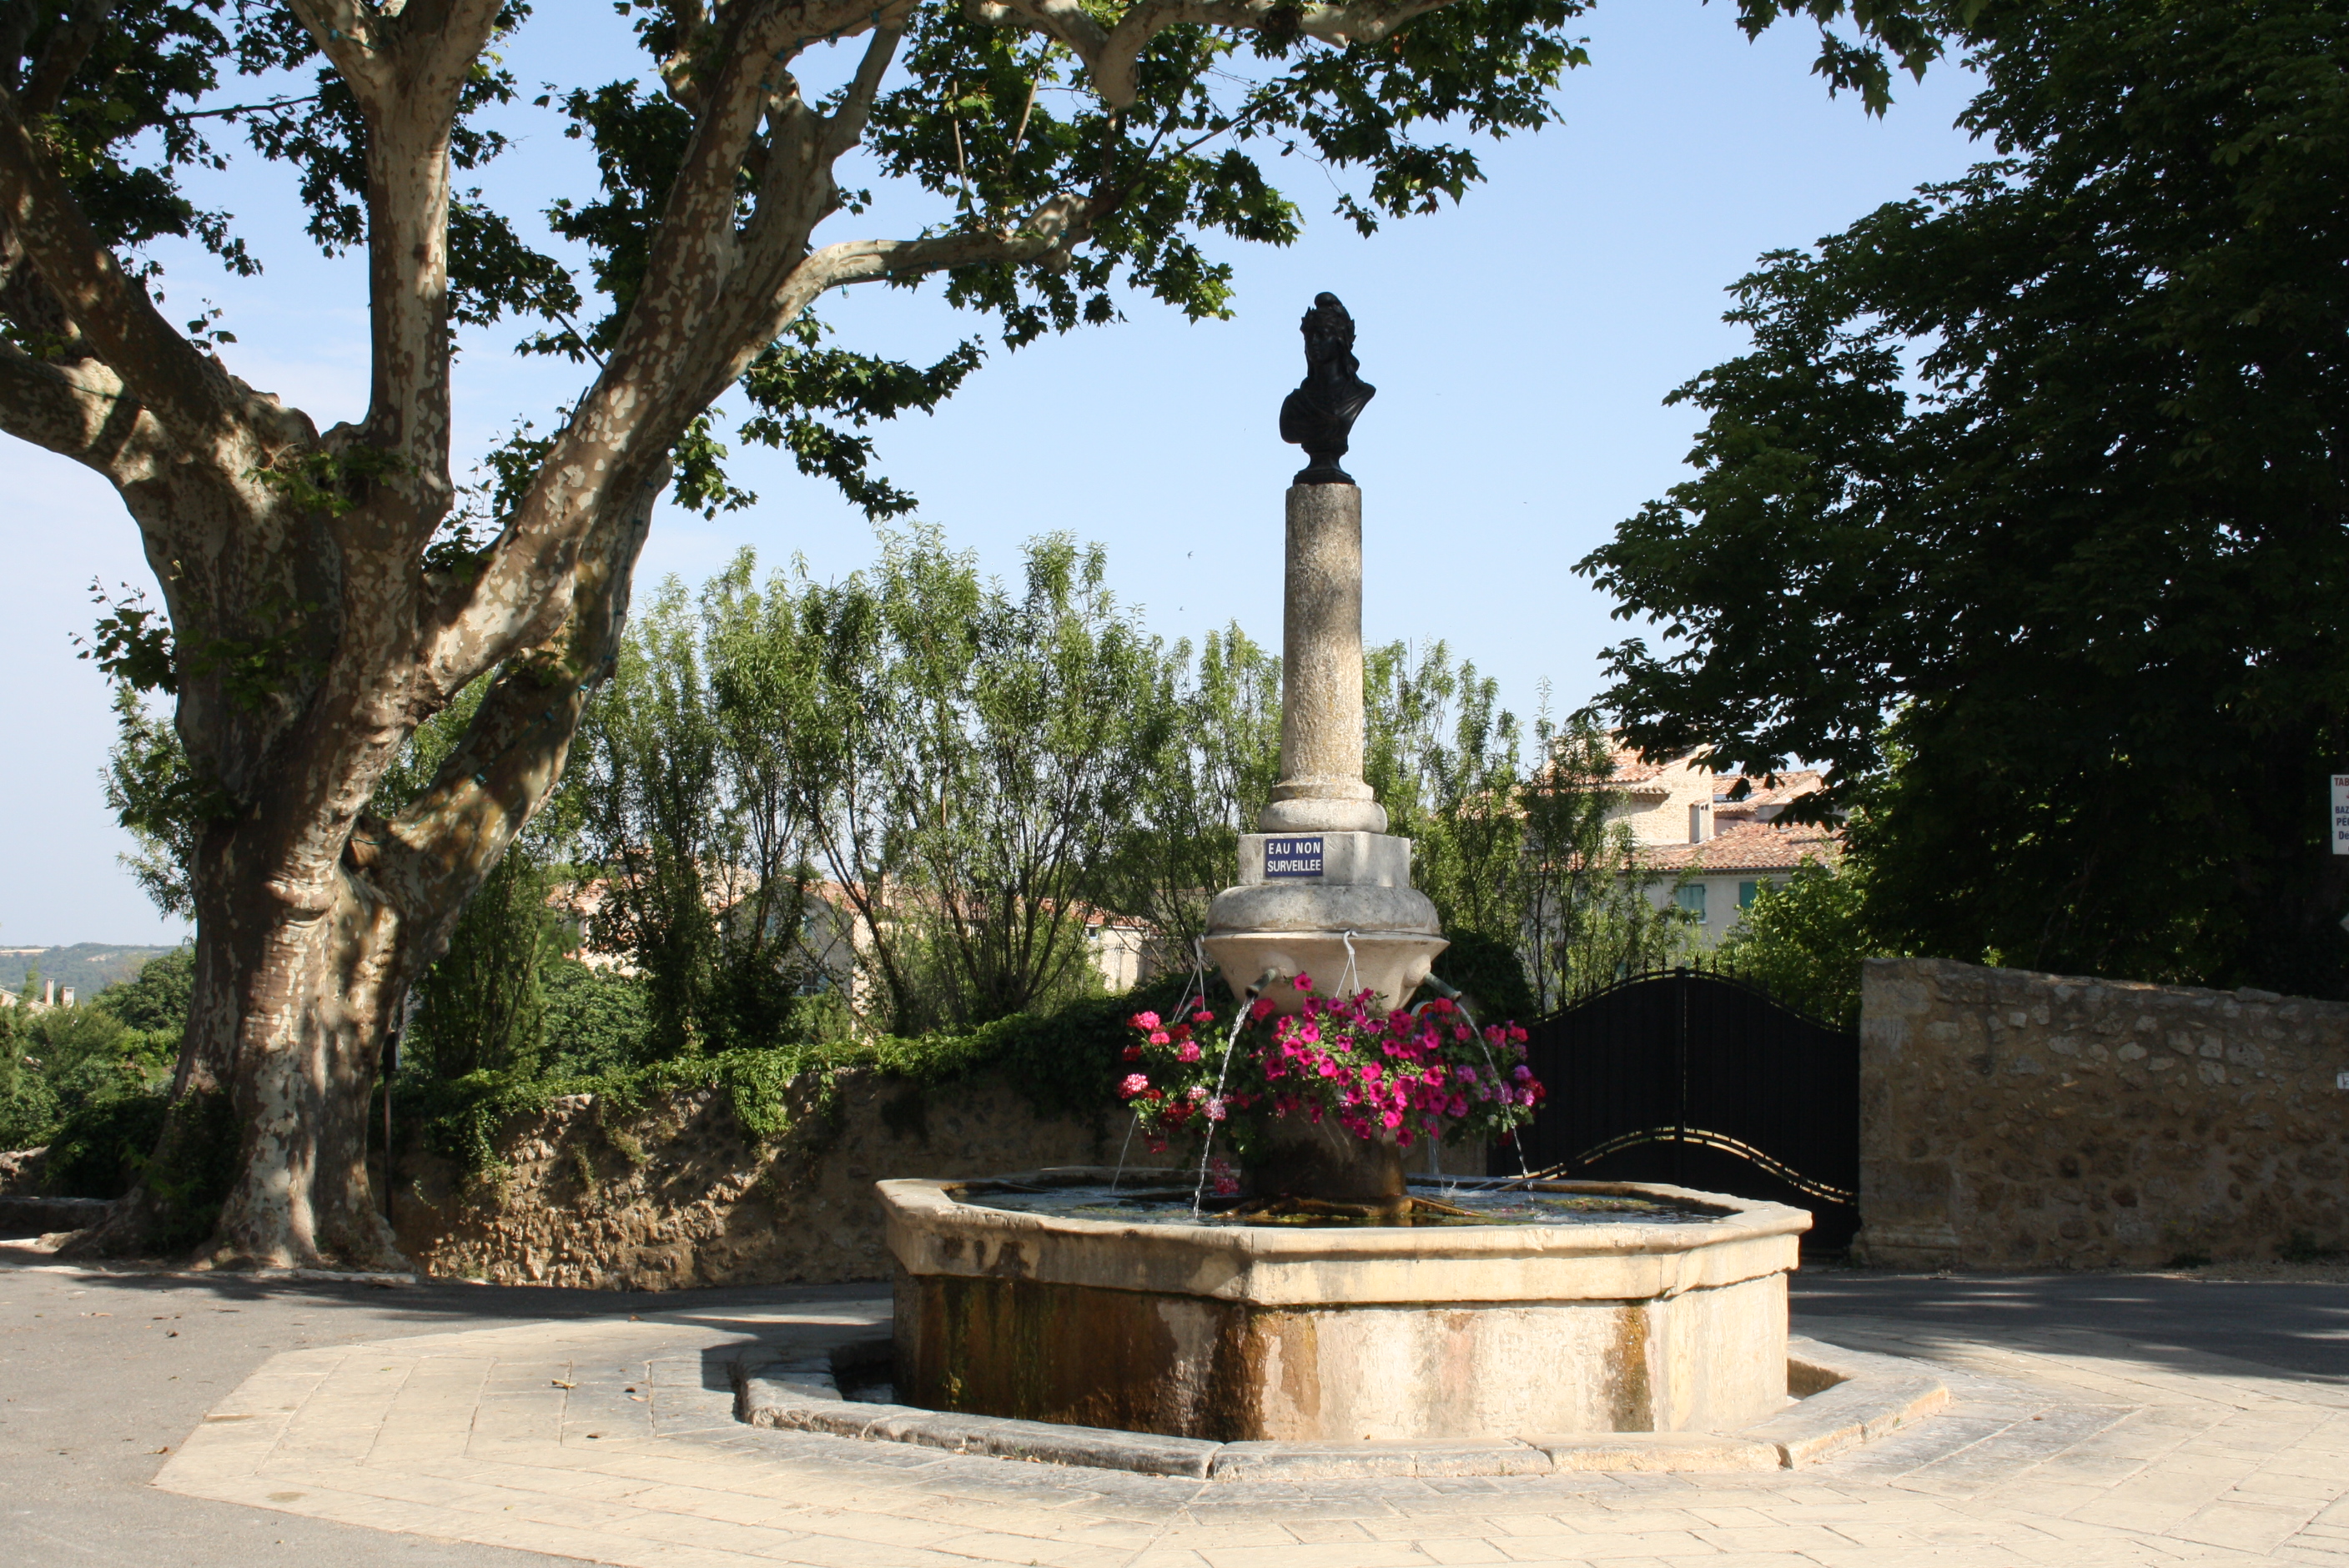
column 449, row 1426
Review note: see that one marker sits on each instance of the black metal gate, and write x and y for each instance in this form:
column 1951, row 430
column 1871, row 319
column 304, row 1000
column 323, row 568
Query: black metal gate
column 1703, row 1080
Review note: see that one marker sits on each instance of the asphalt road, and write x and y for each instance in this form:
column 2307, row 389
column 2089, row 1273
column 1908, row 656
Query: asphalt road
column 2301, row 1328
column 100, row 1374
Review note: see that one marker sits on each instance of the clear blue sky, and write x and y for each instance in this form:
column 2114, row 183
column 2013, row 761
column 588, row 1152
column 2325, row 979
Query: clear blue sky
column 1522, row 344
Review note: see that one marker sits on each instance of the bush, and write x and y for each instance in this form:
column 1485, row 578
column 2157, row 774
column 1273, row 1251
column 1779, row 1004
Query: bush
column 597, row 1020
column 1491, row 976
column 1065, row 1063
column 155, row 1000
column 1803, row 941
column 98, row 1149
column 28, row 1107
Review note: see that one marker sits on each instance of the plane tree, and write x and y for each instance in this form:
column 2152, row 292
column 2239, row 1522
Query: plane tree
column 323, row 592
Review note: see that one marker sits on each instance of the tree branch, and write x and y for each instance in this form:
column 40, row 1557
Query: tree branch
column 346, row 33
column 1065, row 21
column 43, row 403
column 69, row 45
column 513, row 751
column 157, row 366
column 1110, row 54
column 1053, row 227
column 408, row 68
column 844, row 127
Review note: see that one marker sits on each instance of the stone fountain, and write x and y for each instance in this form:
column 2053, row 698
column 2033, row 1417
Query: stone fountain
column 1669, row 1319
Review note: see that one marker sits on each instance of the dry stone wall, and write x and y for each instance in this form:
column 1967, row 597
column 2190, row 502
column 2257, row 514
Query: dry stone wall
column 675, row 1195
column 2011, row 1119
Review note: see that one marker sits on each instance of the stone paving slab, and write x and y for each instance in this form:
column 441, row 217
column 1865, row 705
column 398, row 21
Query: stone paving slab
column 613, row 1441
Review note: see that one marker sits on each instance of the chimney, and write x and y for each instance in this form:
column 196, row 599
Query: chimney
column 67, row 1000
column 1700, row 823
column 48, row 993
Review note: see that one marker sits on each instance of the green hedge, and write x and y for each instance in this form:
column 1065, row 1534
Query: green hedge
column 1065, row 1063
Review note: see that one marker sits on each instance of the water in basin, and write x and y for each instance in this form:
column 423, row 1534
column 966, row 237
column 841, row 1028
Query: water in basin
column 1152, row 1201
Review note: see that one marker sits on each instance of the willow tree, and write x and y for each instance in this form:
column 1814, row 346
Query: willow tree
column 324, row 590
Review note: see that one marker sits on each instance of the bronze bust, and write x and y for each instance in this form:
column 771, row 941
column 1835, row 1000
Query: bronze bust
column 1323, row 408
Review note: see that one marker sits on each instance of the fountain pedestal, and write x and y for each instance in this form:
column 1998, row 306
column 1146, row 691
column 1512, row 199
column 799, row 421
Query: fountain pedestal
column 1324, row 890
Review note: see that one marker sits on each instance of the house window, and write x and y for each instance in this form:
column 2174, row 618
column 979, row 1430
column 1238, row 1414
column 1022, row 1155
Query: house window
column 1690, row 896
column 1747, row 892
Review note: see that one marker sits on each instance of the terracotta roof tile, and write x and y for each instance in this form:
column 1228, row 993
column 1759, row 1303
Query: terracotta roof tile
column 1752, row 847
column 1793, row 782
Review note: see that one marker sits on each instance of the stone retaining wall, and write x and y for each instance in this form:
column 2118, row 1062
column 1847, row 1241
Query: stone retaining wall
column 676, row 1196
column 2011, row 1119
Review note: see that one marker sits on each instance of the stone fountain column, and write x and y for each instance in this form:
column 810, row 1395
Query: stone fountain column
column 1324, row 890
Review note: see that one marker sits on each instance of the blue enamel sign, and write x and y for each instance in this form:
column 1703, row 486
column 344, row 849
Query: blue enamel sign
column 1293, row 857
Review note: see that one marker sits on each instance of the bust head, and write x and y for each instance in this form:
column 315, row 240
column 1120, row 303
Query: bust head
column 1329, row 333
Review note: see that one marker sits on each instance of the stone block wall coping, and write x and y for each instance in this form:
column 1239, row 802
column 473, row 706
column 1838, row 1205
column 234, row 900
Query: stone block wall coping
column 930, row 1231
column 1838, row 1399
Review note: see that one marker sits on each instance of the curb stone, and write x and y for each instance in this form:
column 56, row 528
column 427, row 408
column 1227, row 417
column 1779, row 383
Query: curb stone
column 1839, row 1399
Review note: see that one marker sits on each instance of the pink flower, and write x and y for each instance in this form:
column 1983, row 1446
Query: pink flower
column 1199, row 1091
column 1145, row 1020
column 1203, row 1018
column 1133, row 1084
column 1157, row 1036
column 1303, row 982
column 1261, row 1009
column 1189, row 1053
column 1521, row 1073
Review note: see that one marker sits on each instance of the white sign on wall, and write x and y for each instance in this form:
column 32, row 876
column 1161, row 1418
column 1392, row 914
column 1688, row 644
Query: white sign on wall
column 2341, row 813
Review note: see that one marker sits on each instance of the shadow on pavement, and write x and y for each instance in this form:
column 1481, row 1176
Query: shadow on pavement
column 2301, row 1329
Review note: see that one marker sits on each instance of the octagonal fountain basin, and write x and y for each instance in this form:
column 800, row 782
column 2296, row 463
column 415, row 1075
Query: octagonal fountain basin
column 1561, row 1306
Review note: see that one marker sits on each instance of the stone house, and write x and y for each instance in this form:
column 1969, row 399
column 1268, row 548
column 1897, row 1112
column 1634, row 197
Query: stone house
column 52, row 995
column 1713, row 854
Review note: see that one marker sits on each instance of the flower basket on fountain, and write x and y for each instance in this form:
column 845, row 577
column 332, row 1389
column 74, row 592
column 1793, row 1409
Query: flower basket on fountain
column 1318, row 1105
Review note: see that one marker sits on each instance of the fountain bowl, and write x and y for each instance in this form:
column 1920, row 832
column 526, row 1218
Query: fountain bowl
column 1240, row 1332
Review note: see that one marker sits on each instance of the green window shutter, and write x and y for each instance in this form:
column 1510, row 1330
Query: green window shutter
column 1690, row 896
column 1747, row 892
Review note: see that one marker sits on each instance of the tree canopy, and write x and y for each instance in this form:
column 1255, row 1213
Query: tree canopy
column 2024, row 515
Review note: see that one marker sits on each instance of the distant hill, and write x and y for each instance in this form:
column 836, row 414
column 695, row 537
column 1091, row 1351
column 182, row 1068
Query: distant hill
column 88, row 967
